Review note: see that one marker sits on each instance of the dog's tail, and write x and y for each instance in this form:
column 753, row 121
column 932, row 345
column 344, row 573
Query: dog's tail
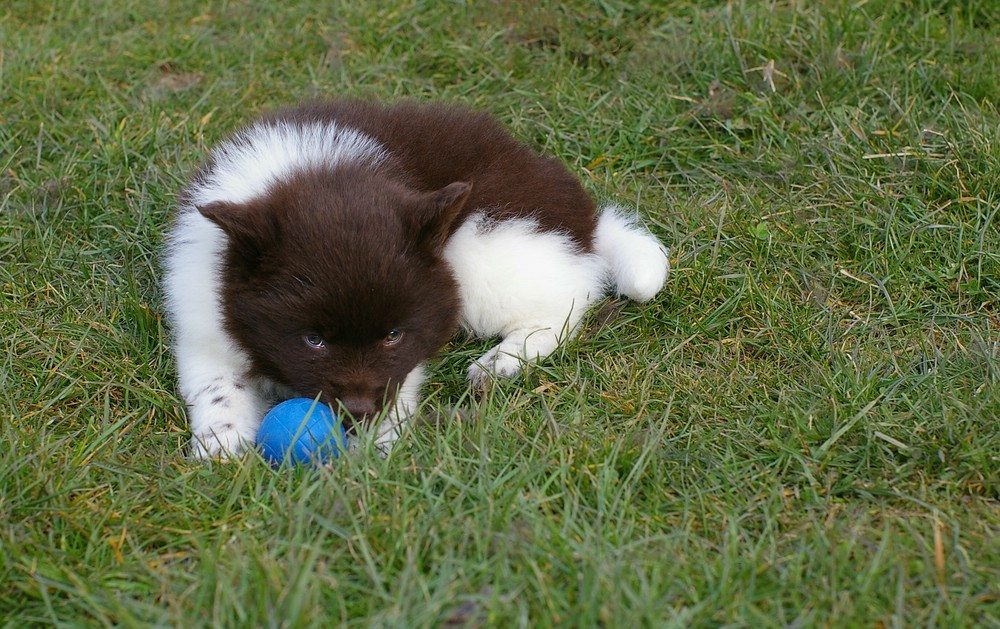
column 636, row 260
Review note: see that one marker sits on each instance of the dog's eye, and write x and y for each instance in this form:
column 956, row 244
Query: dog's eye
column 393, row 336
column 314, row 340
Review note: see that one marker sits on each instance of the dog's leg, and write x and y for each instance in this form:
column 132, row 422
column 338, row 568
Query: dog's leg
column 517, row 347
column 407, row 400
column 528, row 286
column 224, row 407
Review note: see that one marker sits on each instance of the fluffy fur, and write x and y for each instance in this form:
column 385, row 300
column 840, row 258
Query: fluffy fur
column 333, row 248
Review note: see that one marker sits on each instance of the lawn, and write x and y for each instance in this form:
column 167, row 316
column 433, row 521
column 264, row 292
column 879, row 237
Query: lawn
column 801, row 430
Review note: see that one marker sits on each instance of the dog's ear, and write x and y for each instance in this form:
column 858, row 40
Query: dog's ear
column 436, row 213
column 251, row 229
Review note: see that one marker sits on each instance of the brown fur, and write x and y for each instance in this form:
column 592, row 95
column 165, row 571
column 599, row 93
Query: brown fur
column 438, row 144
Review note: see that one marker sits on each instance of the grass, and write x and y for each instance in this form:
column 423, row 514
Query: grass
column 800, row 431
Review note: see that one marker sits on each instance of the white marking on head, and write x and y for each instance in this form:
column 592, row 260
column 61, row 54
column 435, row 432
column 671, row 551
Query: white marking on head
column 247, row 164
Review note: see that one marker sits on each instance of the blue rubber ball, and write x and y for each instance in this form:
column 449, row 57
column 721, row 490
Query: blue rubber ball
column 301, row 431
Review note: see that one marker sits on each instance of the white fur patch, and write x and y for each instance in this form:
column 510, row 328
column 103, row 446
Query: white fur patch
column 637, row 261
column 529, row 286
column 254, row 159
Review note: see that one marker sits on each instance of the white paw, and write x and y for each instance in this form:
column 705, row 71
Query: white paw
column 387, row 433
column 222, row 442
column 217, row 433
column 225, row 415
column 495, row 363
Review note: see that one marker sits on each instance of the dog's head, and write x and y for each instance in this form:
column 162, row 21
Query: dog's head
column 334, row 283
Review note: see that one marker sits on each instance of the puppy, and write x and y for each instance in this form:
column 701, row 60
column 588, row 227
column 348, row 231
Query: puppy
column 333, row 248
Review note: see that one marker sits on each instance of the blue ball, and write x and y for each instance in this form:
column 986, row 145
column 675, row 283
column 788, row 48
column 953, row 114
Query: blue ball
column 301, row 431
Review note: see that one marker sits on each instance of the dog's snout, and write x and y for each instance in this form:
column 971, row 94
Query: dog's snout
column 358, row 407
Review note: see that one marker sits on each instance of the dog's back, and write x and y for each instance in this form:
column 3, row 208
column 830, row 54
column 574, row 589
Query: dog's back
column 439, row 144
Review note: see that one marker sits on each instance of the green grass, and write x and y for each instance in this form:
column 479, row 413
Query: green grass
column 800, row 431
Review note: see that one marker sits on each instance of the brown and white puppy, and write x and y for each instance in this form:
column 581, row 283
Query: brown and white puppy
column 333, row 248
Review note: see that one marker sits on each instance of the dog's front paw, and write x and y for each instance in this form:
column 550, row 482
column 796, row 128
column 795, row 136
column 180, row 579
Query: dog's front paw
column 388, row 432
column 222, row 436
column 495, row 363
column 225, row 415
column 223, row 443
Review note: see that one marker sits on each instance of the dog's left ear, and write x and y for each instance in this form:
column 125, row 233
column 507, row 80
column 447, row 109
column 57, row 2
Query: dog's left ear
column 435, row 215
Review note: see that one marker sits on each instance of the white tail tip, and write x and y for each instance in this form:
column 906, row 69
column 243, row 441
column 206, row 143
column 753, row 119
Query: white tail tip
column 636, row 259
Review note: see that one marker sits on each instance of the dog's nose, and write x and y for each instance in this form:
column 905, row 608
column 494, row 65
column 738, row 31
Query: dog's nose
column 357, row 407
